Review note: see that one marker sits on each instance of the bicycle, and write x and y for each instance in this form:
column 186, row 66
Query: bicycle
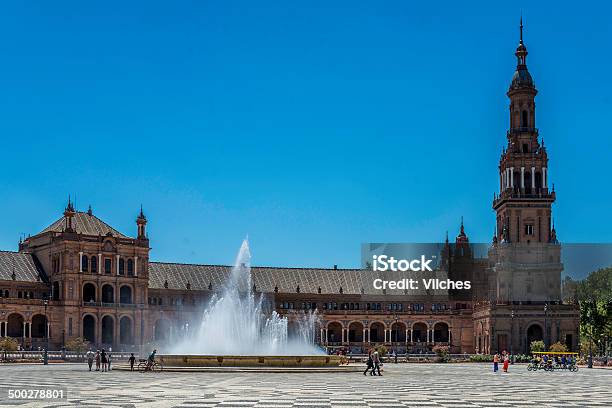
column 156, row 366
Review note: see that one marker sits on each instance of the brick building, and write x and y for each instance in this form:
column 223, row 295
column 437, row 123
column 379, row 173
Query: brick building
column 99, row 284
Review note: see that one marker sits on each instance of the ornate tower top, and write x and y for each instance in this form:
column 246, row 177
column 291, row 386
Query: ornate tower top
column 141, row 222
column 522, row 78
column 69, row 213
column 462, row 237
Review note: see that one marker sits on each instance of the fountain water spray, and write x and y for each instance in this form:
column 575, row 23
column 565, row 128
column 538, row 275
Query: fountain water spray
column 233, row 323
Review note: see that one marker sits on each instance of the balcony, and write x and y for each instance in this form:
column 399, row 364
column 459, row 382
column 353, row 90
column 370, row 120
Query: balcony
column 518, row 130
column 114, row 305
column 520, row 194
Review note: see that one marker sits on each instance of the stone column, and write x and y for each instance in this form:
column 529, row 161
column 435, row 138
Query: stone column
column 522, row 177
column 135, row 266
column 321, row 338
column 363, row 338
column 80, row 261
column 24, row 330
column 412, row 341
column 100, row 266
column 533, row 177
column 406, row 336
column 117, row 265
column 116, row 334
column 512, row 177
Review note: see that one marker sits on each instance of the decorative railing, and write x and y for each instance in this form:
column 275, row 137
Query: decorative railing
column 113, row 304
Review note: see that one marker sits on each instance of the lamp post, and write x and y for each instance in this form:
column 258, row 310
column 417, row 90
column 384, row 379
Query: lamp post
column 396, row 336
column 46, row 355
column 511, row 332
column 546, row 327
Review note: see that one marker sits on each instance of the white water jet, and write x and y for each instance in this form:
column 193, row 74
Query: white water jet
column 233, row 323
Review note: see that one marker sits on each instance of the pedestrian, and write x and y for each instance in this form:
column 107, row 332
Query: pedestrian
column 377, row 363
column 103, row 359
column 132, row 359
column 97, row 360
column 90, row 358
column 369, row 363
column 108, row 361
column 495, row 362
column 506, row 362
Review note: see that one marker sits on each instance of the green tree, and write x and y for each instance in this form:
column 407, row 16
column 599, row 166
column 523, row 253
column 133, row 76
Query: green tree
column 594, row 294
column 77, row 344
column 536, row 345
column 8, row 344
column 558, row 347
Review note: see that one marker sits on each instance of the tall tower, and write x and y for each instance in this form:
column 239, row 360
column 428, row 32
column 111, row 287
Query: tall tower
column 525, row 251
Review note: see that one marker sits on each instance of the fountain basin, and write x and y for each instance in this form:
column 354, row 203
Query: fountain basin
column 194, row 360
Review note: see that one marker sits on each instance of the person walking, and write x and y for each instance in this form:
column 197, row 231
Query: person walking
column 495, row 362
column 103, row 359
column 132, row 359
column 108, row 361
column 90, row 358
column 376, row 360
column 506, row 362
column 97, row 360
column 370, row 363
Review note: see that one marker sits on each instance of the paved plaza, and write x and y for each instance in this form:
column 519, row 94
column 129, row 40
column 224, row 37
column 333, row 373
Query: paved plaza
column 403, row 385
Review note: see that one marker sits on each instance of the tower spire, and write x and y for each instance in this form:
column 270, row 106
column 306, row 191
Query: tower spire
column 521, row 28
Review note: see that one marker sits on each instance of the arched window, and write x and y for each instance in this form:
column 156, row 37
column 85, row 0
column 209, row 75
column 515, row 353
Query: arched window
column 130, row 267
column 125, row 295
column 524, row 119
column 56, row 291
column 94, row 264
column 89, row 292
column 108, row 294
column 121, row 266
column 84, row 263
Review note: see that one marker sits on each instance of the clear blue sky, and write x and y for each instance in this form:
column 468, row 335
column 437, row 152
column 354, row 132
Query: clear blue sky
column 312, row 128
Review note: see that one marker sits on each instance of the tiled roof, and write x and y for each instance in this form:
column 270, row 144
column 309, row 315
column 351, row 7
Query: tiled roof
column 23, row 265
column 352, row 281
column 84, row 223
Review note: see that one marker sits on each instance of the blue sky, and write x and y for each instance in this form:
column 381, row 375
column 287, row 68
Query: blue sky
column 311, row 128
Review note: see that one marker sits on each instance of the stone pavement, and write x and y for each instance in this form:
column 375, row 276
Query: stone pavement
column 403, row 385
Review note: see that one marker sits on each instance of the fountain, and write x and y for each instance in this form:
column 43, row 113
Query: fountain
column 235, row 331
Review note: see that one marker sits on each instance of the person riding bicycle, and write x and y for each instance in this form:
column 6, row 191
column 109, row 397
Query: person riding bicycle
column 564, row 361
column 151, row 360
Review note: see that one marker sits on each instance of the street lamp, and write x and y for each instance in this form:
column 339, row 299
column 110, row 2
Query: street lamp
column 396, row 336
column 511, row 332
column 46, row 355
column 546, row 327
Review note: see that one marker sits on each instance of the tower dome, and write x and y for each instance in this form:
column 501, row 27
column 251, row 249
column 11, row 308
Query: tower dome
column 521, row 78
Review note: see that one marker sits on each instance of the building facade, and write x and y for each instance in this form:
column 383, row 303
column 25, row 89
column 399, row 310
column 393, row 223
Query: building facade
column 80, row 277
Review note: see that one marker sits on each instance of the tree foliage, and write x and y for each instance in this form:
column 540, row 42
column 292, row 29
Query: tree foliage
column 595, row 298
column 558, row 347
column 8, row 344
column 536, row 345
column 77, row 344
